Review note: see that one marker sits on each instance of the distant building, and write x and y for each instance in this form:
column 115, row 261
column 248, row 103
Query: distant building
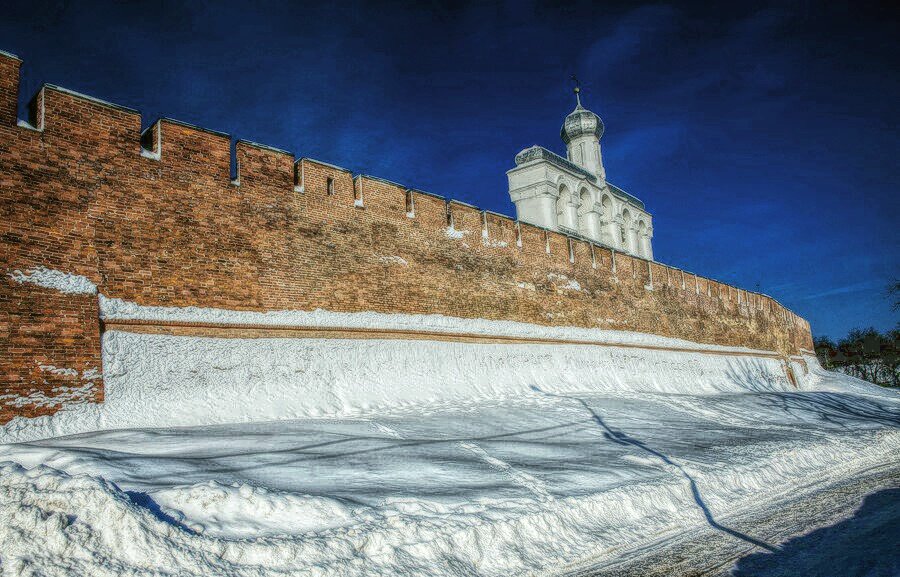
column 571, row 195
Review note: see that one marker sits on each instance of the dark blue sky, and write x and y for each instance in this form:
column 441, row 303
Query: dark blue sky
column 763, row 139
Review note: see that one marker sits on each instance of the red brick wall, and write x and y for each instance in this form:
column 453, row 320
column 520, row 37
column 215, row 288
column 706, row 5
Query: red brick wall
column 51, row 348
column 78, row 196
column 9, row 89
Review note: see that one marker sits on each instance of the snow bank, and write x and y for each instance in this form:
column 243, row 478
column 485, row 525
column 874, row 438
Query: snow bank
column 245, row 511
column 164, row 381
column 814, row 377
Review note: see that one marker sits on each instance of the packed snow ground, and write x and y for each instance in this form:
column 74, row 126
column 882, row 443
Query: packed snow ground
column 847, row 529
column 513, row 486
column 385, row 457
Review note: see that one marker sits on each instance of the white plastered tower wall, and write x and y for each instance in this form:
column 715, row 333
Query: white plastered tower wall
column 585, row 152
column 535, row 194
column 581, row 132
column 571, row 195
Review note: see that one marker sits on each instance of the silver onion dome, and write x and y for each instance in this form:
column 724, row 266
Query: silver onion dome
column 579, row 122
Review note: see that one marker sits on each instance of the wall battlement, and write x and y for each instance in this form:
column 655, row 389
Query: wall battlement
column 169, row 216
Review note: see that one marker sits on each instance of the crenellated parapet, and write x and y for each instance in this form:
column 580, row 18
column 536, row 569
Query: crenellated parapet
column 178, row 215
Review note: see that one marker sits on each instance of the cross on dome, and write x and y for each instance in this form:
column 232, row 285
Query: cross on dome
column 577, row 92
column 580, row 121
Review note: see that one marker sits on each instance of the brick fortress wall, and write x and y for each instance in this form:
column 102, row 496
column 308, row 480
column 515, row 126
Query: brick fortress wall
column 156, row 218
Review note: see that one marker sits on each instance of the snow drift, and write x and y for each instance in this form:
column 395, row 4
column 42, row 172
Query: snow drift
column 161, row 381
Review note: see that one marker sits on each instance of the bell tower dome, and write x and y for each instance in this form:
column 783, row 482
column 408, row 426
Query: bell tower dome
column 581, row 132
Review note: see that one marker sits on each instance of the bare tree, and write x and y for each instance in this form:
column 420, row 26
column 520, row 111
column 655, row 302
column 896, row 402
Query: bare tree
column 865, row 354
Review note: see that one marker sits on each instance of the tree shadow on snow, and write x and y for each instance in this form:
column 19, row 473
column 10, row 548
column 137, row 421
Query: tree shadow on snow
column 218, row 464
column 840, row 409
column 865, row 545
column 624, row 439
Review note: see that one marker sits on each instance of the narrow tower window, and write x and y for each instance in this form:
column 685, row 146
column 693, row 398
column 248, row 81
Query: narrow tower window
column 329, row 185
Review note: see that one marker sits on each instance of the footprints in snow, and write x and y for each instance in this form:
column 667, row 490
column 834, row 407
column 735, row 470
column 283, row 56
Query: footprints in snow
column 520, row 478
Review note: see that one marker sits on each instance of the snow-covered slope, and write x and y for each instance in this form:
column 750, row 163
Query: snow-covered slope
column 159, row 380
column 390, row 457
column 162, row 381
